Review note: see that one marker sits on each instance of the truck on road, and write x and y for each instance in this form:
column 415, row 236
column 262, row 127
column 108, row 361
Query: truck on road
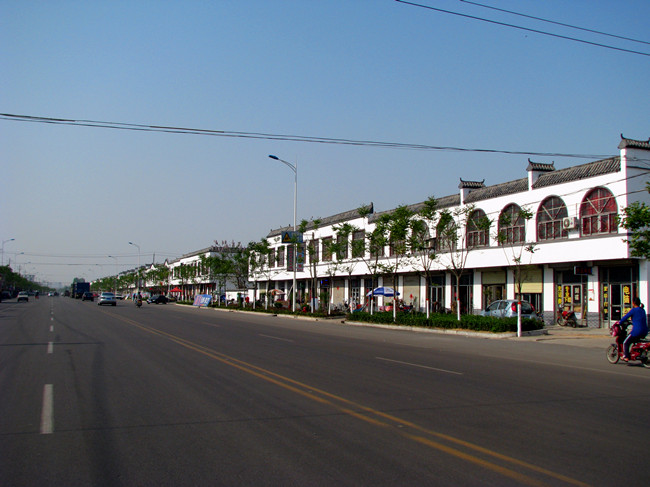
column 78, row 288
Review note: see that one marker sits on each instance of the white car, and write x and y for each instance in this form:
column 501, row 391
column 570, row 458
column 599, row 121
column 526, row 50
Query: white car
column 22, row 296
column 107, row 298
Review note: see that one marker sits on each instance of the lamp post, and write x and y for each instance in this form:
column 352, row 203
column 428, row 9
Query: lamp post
column 294, row 168
column 115, row 290
column 3, row 248
column 16, row 254
column 137, row 273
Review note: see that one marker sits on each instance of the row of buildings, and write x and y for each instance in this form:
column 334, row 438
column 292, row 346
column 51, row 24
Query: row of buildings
column 569, row 252
column 581, row 260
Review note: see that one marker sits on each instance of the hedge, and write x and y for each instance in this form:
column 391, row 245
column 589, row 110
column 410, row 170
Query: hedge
column 448, row 321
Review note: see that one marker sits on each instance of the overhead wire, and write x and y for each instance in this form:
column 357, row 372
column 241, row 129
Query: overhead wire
column 519, row 27
column 562, row 24
column 281, row 137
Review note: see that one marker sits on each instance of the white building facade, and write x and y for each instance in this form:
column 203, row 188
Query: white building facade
column 581, row 259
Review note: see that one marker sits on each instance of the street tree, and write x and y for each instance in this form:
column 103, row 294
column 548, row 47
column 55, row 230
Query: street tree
column 452, row 243
column 373, row 249
column 422, row 244
column 636, row 219
column 398, row 225
column 511, row 237
column 312, row 248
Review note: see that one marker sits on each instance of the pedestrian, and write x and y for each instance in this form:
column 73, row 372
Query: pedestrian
column 639, row 326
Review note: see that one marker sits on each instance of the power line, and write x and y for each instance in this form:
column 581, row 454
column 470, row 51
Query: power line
column 536, row 31
column 555, row 22
column 280, row 137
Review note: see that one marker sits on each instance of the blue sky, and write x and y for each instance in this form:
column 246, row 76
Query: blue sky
column 350, row 69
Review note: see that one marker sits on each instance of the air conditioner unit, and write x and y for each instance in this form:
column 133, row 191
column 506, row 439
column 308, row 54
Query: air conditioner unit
column 569, row 223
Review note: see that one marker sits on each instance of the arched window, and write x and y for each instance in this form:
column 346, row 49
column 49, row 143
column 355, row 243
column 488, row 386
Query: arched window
column 511, row 225
column 420, row 239
column 598, row 212
column 477, row 231
column 549, row 219
column 446, row 233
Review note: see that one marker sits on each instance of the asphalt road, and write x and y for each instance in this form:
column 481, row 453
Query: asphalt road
column 170, row 395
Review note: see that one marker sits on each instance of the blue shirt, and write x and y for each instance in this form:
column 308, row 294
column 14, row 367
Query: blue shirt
column 639, row 322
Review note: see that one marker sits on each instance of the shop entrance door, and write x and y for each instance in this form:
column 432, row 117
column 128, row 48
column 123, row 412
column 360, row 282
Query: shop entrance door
column 618, row 287
column 437, row 293
column 617, row 300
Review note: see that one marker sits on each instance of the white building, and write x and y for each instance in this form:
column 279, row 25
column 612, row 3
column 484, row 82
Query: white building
column 189, row 275
column 581, row 260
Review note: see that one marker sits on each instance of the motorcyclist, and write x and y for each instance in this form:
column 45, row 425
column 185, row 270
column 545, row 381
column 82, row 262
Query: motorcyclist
column 639, row 326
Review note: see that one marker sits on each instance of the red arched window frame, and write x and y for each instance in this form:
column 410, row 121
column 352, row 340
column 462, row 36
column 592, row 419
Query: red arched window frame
column 512, row 228
column 549, row 219
column 598, row 213
column 476, row 237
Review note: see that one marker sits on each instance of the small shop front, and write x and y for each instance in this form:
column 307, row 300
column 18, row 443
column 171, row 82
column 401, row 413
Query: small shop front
column 571, row 294
column 618, row 286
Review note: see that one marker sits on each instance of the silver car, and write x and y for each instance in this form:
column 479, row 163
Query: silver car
column 107, row 298
column 507, row 308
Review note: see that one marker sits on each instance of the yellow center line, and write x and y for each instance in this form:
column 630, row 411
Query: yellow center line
column 365, row 413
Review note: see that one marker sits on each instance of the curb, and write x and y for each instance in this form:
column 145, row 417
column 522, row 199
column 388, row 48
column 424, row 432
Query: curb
column 444, row 331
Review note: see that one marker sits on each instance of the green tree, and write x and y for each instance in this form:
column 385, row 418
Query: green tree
column 422, row 244
column 261, row 265
column 451, row 242
column 399, row 229
column 312, row 250
column 636, row 219
column 515, row 246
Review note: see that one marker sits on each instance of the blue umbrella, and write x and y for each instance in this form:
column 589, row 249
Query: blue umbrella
column 383, row 291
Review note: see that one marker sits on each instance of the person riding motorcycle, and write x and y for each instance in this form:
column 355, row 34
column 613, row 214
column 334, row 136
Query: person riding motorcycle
column 639, row 326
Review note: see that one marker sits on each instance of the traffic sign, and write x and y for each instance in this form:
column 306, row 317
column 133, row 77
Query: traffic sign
column 291, row 237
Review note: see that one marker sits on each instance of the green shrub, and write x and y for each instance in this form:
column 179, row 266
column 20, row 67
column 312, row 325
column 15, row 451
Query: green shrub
column 448, row 321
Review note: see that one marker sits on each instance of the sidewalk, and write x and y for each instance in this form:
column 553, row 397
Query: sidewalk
column 586, row 337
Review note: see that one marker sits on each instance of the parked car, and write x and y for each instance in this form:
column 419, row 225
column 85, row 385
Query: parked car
column 87, row 296
column 158, row 299
column 507, row 308
column 119, row 296
column 107, row 298
column 22, row 296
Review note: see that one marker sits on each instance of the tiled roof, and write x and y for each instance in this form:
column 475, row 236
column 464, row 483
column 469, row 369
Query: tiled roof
column 443, row 202
column 634, row 144
column 549, row 177
column 575, row 173
column 326, row 221
column 471, row 184
column 540, row 166
column 511, row 187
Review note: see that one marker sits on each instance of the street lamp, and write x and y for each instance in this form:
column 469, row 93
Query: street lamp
column 137, row 273
column 110, row 256
column 294, row 168
column 3, row 249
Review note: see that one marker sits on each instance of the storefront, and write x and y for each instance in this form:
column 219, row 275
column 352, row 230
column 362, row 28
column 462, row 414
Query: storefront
column 532, row 285
column 618, row 286
column 411, row 291
column 494, row 286
column 571, row 293
column 465, row 293
column 436, row 286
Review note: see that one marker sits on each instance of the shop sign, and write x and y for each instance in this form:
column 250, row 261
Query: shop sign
column 202, row 300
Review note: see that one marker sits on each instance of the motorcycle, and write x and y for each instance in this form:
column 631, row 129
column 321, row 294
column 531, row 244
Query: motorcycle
column 638, row 351
column 566, row 318
column 138, row 302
